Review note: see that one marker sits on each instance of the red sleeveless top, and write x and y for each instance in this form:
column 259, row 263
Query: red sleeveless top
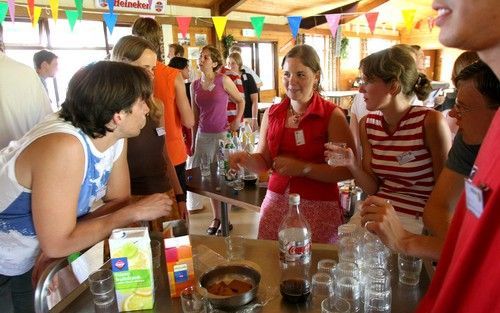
column 281, row 141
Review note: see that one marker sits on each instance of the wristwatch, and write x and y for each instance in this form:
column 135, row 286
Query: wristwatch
column 306, row 169
column 181, row 197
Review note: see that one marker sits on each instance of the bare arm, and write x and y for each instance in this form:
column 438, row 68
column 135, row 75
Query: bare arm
column 354, row 127
column 255, row 110
column 196, row 114
column 55, row 184
column 182, row 102
column 338, row 131
column 364, row 176
column 437, row 139
column 438, row 213
column 440, row 207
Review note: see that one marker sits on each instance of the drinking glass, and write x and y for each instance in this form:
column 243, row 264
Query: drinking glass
column 235, row 248
column 409, row 269
column 322, row 285
column 377, row 291
column 156, row 256
column 326, row 266
column 334, row 304
column 205, row 165
column 339, row 155
column 192, row 301
column 102, row 287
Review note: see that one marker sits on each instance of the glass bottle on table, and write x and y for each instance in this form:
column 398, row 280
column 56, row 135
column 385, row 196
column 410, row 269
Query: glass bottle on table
column 294, row 236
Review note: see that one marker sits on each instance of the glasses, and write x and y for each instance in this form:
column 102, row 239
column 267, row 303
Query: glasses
column 460, row 108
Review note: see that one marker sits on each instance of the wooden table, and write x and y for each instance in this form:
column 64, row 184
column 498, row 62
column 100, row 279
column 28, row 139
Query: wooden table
column 265, row 254
column 215, row 187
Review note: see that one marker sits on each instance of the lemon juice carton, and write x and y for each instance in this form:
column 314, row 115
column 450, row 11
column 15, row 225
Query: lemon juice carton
column 179, row 259
column 132, row 266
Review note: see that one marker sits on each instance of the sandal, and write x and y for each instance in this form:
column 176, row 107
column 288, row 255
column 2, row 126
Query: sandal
column 212, row 230
column 219, row 230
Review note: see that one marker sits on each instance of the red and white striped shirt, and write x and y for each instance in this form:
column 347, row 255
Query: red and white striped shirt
column 401, row 161
column 232, row 108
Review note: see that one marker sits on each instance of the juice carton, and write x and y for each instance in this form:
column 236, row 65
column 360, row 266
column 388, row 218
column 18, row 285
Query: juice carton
column 179, row 258
column 132, row 266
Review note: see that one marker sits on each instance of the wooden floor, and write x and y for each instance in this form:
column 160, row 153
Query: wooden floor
column 245, row 222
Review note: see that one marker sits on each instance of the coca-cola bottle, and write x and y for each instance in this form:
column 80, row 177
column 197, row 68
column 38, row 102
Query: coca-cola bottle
column 294, row 237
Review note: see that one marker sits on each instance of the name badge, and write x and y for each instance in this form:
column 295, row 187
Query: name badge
column 160, row 131
column 474, row 198
column 405, row 157
column 299, row 138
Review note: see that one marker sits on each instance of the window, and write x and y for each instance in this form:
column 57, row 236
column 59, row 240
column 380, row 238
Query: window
column 353, row 54
column 260, row 56
column 376, row 44
column 23, row 40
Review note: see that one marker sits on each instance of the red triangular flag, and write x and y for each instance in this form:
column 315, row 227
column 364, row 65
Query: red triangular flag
column 31, row 8
column 371, row 18
column 183, row 22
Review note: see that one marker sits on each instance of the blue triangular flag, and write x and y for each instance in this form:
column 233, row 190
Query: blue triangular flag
column 111, row 5
column 294, row 24
column 110, row 20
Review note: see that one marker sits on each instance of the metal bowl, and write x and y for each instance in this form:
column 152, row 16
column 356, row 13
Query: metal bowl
column 227, row 273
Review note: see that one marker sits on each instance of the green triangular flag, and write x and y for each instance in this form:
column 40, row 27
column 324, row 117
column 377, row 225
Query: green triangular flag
column 72, row 16
column 79, row 8
column 258, row 24
column 3, row 11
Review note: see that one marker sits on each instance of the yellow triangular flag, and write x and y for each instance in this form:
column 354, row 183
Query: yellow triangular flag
column 408, row 17
column 220, row 25
column 36, row 15
column 54, row 8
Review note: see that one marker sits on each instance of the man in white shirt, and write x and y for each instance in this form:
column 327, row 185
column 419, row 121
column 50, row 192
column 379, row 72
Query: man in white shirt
column 23, row 100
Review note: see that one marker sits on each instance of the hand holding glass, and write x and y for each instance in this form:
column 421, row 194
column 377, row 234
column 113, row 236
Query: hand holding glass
column 337, row 152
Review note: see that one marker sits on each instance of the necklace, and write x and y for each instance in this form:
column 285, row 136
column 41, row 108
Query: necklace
column 295, row 115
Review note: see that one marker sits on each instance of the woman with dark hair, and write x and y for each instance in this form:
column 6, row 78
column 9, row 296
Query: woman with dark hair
column 404, row 146
column 151, row 170
column 292, row 138
column 209, row 97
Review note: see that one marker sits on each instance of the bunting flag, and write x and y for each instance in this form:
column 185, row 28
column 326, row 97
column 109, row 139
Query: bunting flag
column 220, row 25
column 294, row 24
column 258, row 24
column 110, row 20
column 183, row 22
column 72, row 16
column 79, row 8
column 36, row 16
column 333, row 22
column 408, row 17
column 31, row 8
column 111, row 5
column 430, row 23
column 3, row 11
column 54, row 8
column 12, row 10
column 371, row 18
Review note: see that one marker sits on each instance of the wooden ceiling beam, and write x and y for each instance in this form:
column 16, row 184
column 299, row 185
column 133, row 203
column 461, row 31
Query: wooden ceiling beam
column 227, row 6
column 359, row 6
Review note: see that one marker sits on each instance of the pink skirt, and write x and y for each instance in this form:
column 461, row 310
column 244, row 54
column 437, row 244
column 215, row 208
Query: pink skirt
column 324, row 217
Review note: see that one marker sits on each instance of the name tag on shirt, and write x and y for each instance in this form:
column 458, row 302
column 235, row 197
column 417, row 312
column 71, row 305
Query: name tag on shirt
column 299, row 138
column 160, row 131
column 474, row 198
column 405, row 157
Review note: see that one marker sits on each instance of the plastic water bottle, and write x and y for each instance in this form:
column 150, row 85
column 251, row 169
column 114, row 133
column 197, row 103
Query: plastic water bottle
column 295, row 253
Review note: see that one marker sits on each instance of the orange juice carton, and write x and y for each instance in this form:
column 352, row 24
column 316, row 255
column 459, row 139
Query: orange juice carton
column 180, row 270
column 132, row 266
